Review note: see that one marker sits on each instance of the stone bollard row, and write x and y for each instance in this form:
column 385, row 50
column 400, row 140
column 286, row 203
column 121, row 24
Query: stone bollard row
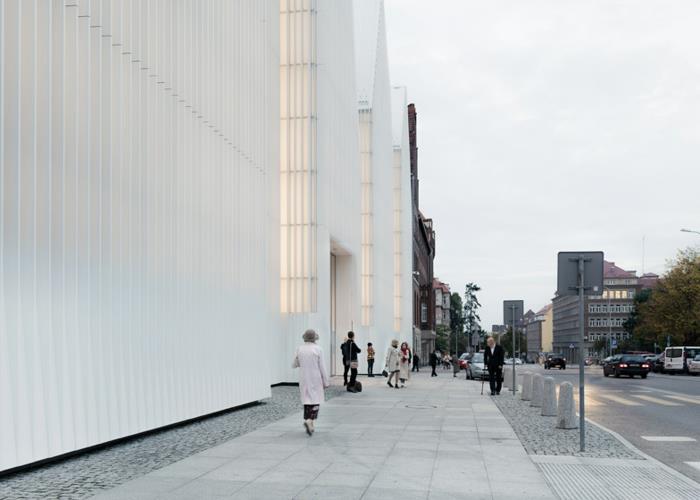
column 549, row 398
column 526, row 395
column 507, row 377
column 566, row 413
column 537, row 390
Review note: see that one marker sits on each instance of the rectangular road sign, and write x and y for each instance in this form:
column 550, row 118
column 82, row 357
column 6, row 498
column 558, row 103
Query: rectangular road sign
column 509, row 308
column 567, row 273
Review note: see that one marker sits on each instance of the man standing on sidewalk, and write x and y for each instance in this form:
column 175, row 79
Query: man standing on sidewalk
column 350, row 352
column 416, row 363
column 493, row 361
column 433, row 363
column 370, row 360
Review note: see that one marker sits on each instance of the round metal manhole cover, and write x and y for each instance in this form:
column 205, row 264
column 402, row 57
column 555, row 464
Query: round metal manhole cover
column 421, row 407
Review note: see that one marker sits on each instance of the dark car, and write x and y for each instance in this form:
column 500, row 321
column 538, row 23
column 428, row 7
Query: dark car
column 555, row 359
column 623, row 364
column 656, row 362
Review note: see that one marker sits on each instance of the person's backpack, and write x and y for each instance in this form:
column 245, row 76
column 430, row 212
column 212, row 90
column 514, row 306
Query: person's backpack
column 344, row 350
column 358, row 386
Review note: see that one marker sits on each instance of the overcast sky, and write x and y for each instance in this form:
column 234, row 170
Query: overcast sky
column 547, row 126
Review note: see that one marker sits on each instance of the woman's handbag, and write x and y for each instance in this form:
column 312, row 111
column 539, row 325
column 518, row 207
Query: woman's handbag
column 353, row 365
column 385, row 373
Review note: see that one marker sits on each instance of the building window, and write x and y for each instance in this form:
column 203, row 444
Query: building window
column 423, row 312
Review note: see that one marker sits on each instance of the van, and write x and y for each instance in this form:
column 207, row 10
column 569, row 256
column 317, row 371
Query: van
column 677, row 358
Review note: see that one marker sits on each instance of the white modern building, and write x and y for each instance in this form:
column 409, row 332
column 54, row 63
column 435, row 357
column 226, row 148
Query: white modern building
column 184, row 189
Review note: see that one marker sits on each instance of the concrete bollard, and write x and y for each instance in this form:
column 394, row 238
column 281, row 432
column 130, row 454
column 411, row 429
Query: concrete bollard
column 566, row 413
column 507, row 377
column 549, row 398
column 527, row 387
column 537, row 389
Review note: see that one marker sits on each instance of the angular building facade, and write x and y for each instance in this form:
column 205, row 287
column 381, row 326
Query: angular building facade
column 184, row 189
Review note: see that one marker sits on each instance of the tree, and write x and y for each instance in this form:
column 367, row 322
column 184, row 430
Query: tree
column 442, row 341
column 673, row 307
column 507, row 341
column 471, row 307
column 637, row 340
column 456, row 313
column 600, row 345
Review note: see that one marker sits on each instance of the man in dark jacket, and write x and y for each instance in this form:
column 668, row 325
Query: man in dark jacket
column 350, row 352
column 433, row 363
column 416, row 363
column 493, row 361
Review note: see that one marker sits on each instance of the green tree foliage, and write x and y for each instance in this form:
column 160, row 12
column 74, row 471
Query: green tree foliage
column 471, row 306
column 601, row 346
column 444, row 335
column 673, row 307
column 456, row 313
column 507, row 341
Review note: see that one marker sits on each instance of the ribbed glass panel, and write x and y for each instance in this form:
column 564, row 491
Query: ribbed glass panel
column 138, row 144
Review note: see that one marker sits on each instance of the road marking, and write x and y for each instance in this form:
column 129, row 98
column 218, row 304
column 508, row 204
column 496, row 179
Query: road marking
column 676, row 439
column 684, row 398
column 658, row 401
column 620, row 400
column 694, row 464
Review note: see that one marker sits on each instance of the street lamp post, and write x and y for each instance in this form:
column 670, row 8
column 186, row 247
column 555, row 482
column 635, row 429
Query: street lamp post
column 689, row 231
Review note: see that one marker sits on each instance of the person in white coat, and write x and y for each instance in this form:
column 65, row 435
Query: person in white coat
column 391, row 364
column 313, row 377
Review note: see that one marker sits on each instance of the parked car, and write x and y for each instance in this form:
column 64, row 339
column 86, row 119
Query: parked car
column 555, row 359
column 625, row 364
column 694, row 365
column 676, row 360
column 656, row 361
column 476, row 368
column 464, row 360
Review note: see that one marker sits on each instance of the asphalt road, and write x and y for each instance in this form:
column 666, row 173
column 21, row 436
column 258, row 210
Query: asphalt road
column 659, row 407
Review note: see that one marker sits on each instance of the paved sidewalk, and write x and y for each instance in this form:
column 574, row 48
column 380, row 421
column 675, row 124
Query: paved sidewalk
column 437, row 438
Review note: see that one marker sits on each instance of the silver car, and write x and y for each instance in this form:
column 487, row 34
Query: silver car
column 694, row 365
column 476, row 367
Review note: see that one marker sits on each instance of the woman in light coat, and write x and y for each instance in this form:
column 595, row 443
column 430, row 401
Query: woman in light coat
column 391, row 365
column 313, row 377
column 404, row 363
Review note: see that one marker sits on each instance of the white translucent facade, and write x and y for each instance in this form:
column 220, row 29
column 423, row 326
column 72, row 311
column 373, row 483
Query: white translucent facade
column 386, row 221
column 402, row 219
column 138, row 216
column 183, row 191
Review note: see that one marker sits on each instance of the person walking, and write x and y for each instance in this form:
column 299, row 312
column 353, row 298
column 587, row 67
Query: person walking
column 455, row 364
column 313, row 378
column 350, row 353
column 433, row 363
column 405, row 362
column 493, row 361
column 370, row 360
column 416, row 363
column 392, row 362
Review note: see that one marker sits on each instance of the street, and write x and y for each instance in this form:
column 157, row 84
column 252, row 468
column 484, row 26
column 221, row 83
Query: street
column 659, row 415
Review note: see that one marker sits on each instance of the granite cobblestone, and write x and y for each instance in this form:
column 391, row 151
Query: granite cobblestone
column 540, row 437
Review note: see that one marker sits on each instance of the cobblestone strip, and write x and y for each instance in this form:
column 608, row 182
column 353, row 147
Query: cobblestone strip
column 539, row 436
column 89, row 473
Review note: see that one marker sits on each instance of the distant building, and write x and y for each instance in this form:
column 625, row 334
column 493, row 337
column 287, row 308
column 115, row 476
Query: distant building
column 538, row 330
column 442, row 302
column 547, row 328
column 423, row 256
column 604, row 315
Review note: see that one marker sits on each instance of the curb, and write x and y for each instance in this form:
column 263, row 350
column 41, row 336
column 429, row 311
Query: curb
column 630, row 446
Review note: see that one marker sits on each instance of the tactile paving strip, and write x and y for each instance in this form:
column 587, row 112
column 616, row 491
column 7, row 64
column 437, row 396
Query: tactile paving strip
column 584, row 481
